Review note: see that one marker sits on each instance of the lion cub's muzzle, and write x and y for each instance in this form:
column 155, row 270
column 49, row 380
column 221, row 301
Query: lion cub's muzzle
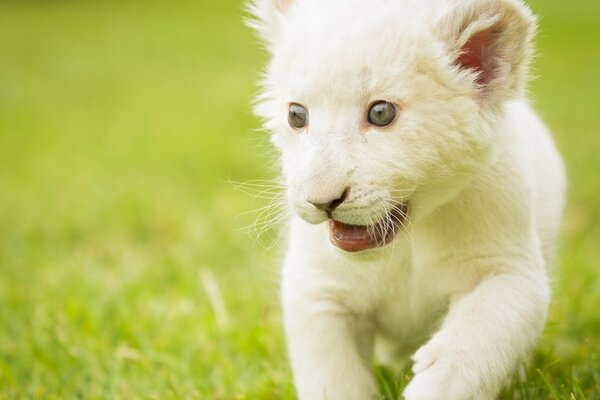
column 355, row 238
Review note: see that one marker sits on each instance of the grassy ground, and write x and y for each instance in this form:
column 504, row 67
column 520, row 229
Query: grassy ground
column 124, row 269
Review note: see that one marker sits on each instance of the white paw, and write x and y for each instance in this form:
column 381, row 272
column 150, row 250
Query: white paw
column 430, row 353
column 443, row 372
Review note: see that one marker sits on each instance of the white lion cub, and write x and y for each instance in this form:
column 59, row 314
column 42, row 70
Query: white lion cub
column 427, row 194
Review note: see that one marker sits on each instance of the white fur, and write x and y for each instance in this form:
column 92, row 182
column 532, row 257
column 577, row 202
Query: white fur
column 465, row 285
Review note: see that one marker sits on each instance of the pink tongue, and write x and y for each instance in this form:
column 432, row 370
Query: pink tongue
column 350, row 238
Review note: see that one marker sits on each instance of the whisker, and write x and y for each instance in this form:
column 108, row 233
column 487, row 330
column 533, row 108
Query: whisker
column 267, row 216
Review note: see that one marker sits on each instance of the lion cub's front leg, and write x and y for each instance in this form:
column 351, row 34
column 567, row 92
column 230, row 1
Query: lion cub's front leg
column 486, row 332
column 330, row 349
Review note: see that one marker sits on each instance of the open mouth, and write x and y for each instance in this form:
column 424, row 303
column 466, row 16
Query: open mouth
column 354, row 238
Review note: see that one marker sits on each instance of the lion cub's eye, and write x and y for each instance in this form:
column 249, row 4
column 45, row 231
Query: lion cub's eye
column 382, row 113
column 297, row 116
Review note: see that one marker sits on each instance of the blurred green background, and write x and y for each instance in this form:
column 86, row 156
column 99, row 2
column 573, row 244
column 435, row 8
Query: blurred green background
column 126, row 270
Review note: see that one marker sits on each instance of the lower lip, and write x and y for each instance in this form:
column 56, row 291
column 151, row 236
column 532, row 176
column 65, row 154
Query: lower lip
column 355, row 238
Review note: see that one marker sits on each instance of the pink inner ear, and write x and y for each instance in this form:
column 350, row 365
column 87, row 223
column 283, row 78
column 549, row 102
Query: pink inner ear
column 477, row 55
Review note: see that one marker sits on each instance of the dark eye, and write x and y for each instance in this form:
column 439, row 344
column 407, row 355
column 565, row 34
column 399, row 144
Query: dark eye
column 297, row 116
column 382, row 113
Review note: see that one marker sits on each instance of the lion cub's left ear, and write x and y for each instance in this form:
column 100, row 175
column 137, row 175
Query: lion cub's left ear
column 267, row 18
column 492, row 40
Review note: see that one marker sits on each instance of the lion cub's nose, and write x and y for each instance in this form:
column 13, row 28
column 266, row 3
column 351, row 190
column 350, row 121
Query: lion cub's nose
column 331, row 205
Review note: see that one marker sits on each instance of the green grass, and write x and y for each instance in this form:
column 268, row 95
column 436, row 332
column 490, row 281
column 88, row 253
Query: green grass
column 120, row 125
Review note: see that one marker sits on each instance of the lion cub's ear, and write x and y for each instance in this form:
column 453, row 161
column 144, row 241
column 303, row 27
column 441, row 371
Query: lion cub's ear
column 266, row 18
column 492, row 40
column 282, row 5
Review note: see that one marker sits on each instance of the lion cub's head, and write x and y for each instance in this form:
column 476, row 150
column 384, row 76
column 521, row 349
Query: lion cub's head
column 384, row 110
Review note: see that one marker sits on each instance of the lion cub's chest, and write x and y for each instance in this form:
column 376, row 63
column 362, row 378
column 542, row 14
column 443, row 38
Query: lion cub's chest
column 410, row 305
column 404, row 298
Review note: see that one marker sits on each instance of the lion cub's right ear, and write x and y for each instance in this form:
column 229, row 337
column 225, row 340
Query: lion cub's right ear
column 266, row 18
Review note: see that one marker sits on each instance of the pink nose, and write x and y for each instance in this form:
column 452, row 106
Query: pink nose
column 329, row 206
